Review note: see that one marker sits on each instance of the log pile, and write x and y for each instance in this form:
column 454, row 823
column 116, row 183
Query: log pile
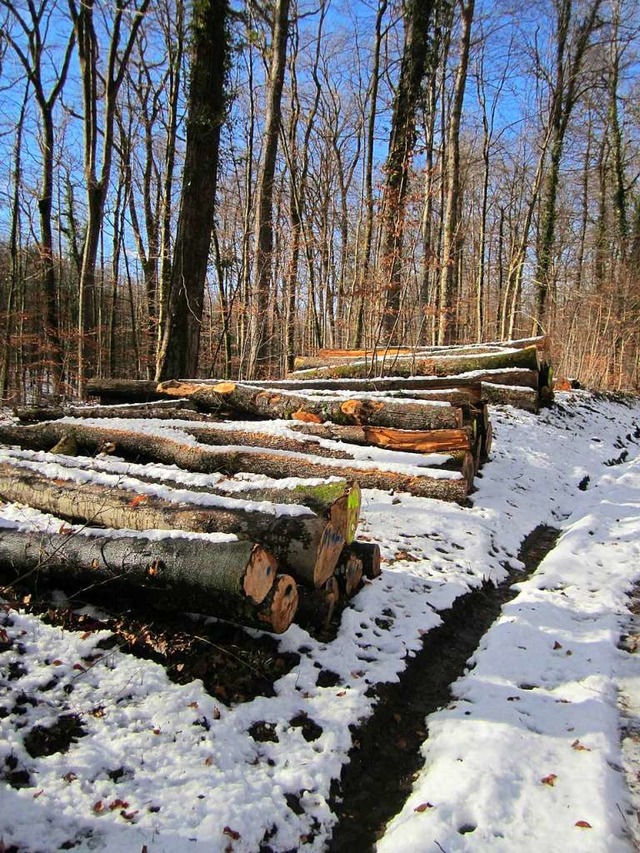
column 398, row 420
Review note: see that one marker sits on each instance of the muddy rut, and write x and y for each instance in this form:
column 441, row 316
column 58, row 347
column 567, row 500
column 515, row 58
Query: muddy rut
column 386, row 754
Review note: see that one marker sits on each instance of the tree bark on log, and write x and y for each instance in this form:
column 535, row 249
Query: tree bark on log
column 273, row 404
column 189, row 571
column 523, row 398
column 441, row 365
column 124, row 390
column 422, row 482
column 447, row 441
column 306, row 544
column 381, row 384
column 160, row 409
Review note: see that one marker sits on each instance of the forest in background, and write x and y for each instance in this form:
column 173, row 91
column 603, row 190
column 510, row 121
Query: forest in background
column 199, row 188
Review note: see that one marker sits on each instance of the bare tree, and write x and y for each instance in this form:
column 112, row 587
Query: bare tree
column 260, row 351
column 34, row 25
column 180, row 344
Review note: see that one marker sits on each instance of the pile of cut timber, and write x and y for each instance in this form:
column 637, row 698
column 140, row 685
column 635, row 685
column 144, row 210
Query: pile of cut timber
column 398, row 420
column 275, row 548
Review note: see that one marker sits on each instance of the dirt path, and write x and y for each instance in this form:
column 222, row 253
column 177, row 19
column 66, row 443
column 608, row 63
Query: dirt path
column 386, row 754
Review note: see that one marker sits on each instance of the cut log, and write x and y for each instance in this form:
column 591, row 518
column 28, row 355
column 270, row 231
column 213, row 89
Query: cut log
column 413, row 441
column 511, row 395
column 190, row 571
column 369, row 555
column 441, row 365
column 345, row 512
column 277, row 611
column 384, row 384
column 305, row 543
column 223, row 437
column 422, row 482
column 317, row 606
column 274, row 404
column 348, row 573
column 174, row 409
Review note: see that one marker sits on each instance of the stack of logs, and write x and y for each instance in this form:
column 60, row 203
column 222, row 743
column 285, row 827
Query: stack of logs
column 344, row 430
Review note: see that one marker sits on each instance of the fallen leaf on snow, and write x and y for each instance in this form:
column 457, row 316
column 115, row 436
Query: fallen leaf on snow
column 583, row 824
column 549, row 780
column 423, row 807
column 580, row 747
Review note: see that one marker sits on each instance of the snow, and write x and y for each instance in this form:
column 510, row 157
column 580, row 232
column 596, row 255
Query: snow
column 531, row 753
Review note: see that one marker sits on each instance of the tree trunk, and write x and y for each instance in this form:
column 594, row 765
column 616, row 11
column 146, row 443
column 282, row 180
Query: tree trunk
column 304, row 542
column 451, row 241
column 274, row 404
column 423, row 482
column 180, row 342
column 260, row 352
column 189, row 571
column 437, row 365
column 417, row 43
column 369, row 555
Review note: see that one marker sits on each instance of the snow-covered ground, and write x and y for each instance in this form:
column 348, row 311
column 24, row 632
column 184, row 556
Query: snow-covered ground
column 538, row 750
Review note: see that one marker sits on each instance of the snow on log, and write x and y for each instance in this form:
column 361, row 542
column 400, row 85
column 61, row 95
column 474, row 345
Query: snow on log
column 273, row 404
column 431, row 365
column 161, row 409
column 306, row 544
column 512, row 395
column 419, row 481
column 195, row 574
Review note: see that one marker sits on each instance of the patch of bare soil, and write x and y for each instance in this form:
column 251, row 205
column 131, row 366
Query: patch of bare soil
column 386, row 757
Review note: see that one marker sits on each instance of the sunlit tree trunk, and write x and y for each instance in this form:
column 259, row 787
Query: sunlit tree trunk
column 260, row 350
column 178, row 353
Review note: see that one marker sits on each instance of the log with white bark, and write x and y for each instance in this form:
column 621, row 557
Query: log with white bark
column 194, row 574
column 508, row 376
column 384, row 354
column 422, row 482
column 160, row 409
column 273, row 404
column 436, row 365
column 303, row 542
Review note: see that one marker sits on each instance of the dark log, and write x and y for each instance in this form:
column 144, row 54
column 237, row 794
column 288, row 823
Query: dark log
column 422, row 482
column 190, row 571
column 317, row 606
column 221, row 437
column 440, row 365
column 275, row 404
column 305, row 543
column 124, row 390
column 369, row 555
